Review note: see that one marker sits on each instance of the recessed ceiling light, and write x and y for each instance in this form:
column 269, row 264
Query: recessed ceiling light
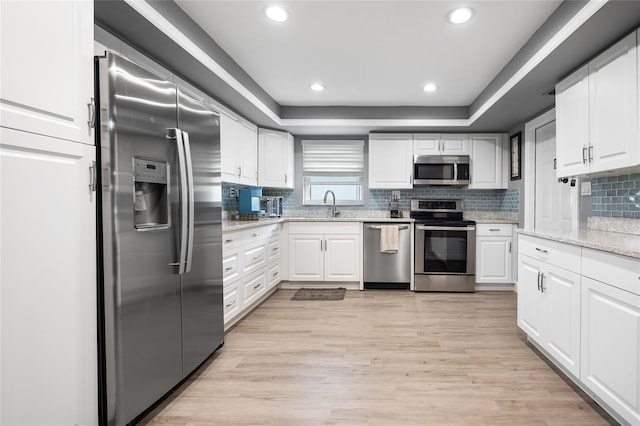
column 460, row 15
column 430, row 87
column 317, row 87
column 276, row 13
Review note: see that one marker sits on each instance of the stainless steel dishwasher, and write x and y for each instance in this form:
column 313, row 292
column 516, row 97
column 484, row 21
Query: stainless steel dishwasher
column 387, row 270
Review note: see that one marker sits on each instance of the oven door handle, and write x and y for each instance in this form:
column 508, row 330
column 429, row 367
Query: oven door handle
column 379, row 227
column 445, row 228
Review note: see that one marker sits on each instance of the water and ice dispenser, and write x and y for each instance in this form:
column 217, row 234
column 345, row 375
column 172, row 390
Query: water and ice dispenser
column 151, row 201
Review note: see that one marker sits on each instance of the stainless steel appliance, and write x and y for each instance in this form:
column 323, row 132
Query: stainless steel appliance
column 445, row 246
column 451, row 170
column 387, row 270
column 161, row 235
column 272, row 206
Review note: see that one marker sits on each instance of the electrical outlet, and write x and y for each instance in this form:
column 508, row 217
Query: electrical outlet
column 232, row 193
column 585, row 188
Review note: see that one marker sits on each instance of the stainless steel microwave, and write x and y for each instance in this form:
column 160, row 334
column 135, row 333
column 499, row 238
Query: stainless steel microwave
column 452, row 170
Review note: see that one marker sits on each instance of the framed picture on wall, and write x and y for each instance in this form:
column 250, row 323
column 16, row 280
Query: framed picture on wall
column 516, row 159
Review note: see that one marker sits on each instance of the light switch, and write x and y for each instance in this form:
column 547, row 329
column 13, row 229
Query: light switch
column 585, row 188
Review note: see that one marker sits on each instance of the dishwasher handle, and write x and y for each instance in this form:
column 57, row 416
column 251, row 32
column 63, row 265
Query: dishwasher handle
column 379, row 227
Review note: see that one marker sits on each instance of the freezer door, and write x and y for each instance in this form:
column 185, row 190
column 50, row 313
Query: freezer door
column 142, row 306
column 202, row 313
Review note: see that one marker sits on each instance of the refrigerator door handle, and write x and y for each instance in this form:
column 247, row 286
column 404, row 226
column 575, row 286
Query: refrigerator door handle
column 182, row 166
column 190, row 200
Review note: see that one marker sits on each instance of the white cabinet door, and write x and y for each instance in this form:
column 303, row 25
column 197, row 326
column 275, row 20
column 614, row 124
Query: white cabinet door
column 48, row 369
column 341, row 258
column 610, row 347
column 248, row 154
column 561, row 294
column 530, row 313
column 230, row 148
column 488, row 162
column 46, row 82
column 613, row 107
column 390, row 161
column 426, row 144
column 454, row 144
column 572, row 124
column 306, row 257
column 273, row 164
column 493, row 260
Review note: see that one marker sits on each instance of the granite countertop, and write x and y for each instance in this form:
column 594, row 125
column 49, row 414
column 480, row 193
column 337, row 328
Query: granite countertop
column 234, row 225
column 611, row 242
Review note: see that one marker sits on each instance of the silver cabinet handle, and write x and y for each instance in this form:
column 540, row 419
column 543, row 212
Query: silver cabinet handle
column 255, row 234
column 257, row 256
column 285, row 178
column 542, row 282
column 228, row 241
column 230, row 304
column 275, row 274
column 256, row 286
column 274, row 249
column 493, row 229
column 541, row 250
column 590, row 153
column 93, row 181
column 239, row 171
column 584, row 154
column 378, row 227
column 509, row 247
column 228, row 269
column 538, row 280
column 91, row 122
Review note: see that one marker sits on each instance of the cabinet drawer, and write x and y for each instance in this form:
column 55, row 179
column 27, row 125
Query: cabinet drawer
column 231, row 300
column 565, row 256
column 619, row 271
column 254, row 257
column 494, row 230
column 273, row 275
column 273, row 249
column 231, row 266
column 254, row 286
column 324, row 227
column 231, row 239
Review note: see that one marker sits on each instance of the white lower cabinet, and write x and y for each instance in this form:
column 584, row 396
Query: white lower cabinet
column 48, row 367
column 549, row 302
column 251, row 268
column 587, row 320
column 324, row 251
column 493, row 253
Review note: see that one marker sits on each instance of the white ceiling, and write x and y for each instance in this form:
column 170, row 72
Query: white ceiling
column 371, row 53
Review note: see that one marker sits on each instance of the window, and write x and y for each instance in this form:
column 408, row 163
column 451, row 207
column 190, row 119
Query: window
column 336, row 166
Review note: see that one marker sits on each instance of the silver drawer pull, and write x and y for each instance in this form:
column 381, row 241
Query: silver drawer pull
column 275, row 249
column 256, row 286
column 255, row 234
column 228, row 241
column 230, row 304
column 275, row 274
column 228, row 269
column 493, row 229
column 258, row 256
column 541, row 250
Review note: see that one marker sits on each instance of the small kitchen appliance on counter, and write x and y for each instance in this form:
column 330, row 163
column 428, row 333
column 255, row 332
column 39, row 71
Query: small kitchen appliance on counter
column 272, row 206
column 249, row 201
column 394, row 205
column 445, row 246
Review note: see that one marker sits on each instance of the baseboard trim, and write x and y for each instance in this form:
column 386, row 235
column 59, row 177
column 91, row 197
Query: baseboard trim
column 495, row 287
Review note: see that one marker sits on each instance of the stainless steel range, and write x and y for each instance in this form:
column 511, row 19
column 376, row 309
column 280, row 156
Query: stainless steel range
column 445, row 246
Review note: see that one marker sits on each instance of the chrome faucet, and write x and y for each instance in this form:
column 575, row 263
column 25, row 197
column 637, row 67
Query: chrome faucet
column 333, row 210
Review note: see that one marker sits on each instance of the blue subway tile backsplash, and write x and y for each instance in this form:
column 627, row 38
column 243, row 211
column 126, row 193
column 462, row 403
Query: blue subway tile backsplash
column 378, row 199
column 611, row 196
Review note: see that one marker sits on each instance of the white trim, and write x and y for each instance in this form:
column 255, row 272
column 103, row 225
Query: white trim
column 166, row 27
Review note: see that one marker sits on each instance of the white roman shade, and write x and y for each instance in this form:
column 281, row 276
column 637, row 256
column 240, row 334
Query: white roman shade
column 333, row 158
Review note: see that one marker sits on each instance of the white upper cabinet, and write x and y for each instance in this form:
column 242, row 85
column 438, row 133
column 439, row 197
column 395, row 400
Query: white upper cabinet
column 275, row 159
column 239, row 150
column 597, row 113
column 46, row 84
column 390, row 160
column 440, row 144
column 488, row 161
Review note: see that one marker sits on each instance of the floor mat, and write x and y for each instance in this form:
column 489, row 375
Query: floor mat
column 319, row 294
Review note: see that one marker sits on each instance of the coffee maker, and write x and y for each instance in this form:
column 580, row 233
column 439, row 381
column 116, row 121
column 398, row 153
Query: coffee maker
column 394, row 205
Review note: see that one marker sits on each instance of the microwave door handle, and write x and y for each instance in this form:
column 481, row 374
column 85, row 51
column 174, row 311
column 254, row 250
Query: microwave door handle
column 190, row 201
column 182, row 171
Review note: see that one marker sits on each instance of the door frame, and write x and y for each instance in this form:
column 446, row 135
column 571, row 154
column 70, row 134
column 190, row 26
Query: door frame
column 530, row 171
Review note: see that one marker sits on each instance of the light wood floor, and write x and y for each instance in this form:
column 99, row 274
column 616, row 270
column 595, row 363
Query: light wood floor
column 379, row 357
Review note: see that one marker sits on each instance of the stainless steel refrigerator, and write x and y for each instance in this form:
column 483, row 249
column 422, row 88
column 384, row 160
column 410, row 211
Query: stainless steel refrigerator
column 161, row 269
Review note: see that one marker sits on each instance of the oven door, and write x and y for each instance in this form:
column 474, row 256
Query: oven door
column 442, row 250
